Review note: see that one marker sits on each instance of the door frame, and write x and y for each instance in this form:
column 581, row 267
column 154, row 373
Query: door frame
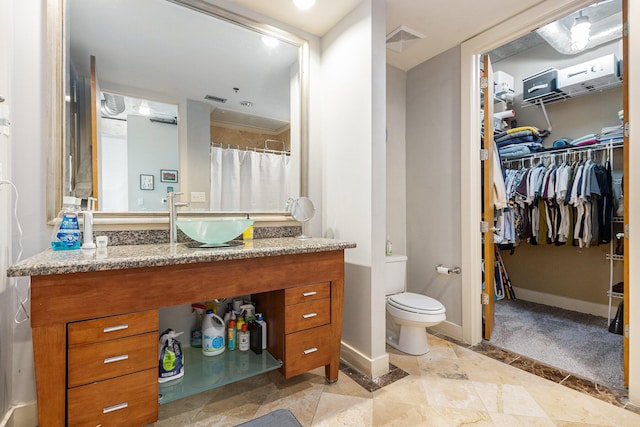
column 470, row 192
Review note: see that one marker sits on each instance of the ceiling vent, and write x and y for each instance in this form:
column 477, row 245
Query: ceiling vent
column 215, row 98
column 402, row 38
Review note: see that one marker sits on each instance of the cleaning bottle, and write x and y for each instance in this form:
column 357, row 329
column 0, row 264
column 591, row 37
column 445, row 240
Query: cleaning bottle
column 170, row 363
column 196, row 332
column 232, row 333
column 243, row 338
column 263, row 325
column 248, row 233
column 255, row 337
column 66, row 233
column 212, row 334
column 239, row 322
column 227, row 315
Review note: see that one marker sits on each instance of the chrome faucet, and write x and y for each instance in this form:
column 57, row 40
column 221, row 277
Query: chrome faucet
column 173, row 214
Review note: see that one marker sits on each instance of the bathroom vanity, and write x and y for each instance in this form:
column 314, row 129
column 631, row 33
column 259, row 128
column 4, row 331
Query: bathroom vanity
column 94, row 318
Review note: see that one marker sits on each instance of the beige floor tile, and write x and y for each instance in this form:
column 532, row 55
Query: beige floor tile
column 564, row 404
column 508, row 399
column 452, row 394
column 509, row 420
column 485, row 369
column 340, row 410
column 346, row 386
column 443, row 368
column 450, row 417
column 301, row 400
column 403, row 361
column 407, row 389
column 397, row 413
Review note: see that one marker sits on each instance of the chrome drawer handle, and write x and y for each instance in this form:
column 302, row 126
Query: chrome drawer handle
column 116, row 358
column 310, row 350
column 115, row 328
column 115, row 407
column 309, row 315
column 308, row 294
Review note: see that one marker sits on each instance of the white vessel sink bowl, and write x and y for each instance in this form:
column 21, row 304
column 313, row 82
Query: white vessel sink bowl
column 213, row 231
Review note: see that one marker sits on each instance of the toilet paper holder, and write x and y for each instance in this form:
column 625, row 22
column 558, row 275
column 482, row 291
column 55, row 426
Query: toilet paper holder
column 447, row 270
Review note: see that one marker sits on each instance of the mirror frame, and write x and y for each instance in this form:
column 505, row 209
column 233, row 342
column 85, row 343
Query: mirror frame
column 56, row 108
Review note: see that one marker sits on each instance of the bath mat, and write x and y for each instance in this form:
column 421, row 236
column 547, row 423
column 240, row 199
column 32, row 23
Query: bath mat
column 279, row 417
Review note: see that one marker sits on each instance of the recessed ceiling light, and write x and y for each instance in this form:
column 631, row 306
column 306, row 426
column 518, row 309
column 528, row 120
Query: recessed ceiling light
column 304, row 4
column 270, row 41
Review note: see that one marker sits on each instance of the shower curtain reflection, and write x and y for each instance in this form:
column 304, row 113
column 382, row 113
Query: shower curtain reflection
column 248, row 180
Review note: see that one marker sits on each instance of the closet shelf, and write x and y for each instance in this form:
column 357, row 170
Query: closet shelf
column 561, row 96
column 615, row 294
column 551, row 153
column 615, row 257
column 617, row 219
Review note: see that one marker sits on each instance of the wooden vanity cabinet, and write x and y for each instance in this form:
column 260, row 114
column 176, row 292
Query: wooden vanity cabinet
column 78, row 326
column 112, row 370
column 300, row 326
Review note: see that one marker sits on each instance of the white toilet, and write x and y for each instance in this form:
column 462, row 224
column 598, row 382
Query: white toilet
column 408, row 314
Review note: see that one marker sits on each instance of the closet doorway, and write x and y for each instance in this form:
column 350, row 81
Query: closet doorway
column 557, row 125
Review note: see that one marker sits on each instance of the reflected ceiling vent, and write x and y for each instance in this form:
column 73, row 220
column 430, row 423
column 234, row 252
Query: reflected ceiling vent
column 215, row 98
column 111, row 105
column 402, row 38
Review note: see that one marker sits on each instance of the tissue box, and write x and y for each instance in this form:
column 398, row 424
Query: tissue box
column 502, row 83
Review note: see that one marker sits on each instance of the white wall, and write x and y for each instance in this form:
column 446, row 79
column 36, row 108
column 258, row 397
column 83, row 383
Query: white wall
column 151, row 146
column 396, row 159
column 634, row 201
column 353, row 138
column 28, row 169
column 6, row 306
column 198, row 176
column 433, row 180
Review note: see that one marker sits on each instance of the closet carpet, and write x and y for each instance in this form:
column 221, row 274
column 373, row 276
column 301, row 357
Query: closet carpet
column 575, row 342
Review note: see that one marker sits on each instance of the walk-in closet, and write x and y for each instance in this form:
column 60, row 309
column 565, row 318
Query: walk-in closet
column 559, row 134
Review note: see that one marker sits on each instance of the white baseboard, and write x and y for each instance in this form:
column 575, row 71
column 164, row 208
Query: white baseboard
column 580, row 306
column 449, row 329
column 25, row 415
column 372, row 368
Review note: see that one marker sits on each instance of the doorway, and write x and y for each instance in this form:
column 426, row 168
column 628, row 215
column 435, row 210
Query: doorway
column 471, row 51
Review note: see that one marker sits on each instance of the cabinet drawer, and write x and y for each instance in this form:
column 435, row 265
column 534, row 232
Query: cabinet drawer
column 307, row 293
column 108, row 328
column 99, row 361
column 308, row 315
column 307, row 350
column 127, row 400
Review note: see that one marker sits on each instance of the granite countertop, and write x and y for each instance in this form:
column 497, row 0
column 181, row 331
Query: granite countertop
column 155, row 255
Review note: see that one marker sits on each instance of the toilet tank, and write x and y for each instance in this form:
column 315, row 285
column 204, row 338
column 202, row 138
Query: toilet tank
column 395, row 274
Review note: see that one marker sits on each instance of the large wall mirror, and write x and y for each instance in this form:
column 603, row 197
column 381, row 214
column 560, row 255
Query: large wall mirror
column 174, row 95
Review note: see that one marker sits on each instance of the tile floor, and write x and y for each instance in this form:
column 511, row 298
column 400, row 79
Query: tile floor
column 449, row 386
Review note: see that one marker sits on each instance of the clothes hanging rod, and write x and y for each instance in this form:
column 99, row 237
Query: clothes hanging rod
column 256, row 149
column 548, row 154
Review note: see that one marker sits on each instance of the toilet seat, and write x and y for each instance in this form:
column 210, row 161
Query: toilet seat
column 416, row 303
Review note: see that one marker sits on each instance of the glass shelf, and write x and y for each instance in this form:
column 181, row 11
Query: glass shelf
column 202, row 373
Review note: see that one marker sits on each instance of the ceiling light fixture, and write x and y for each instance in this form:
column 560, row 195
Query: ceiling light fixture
column 580, row 32
column 304, row 4
column 144, row 108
